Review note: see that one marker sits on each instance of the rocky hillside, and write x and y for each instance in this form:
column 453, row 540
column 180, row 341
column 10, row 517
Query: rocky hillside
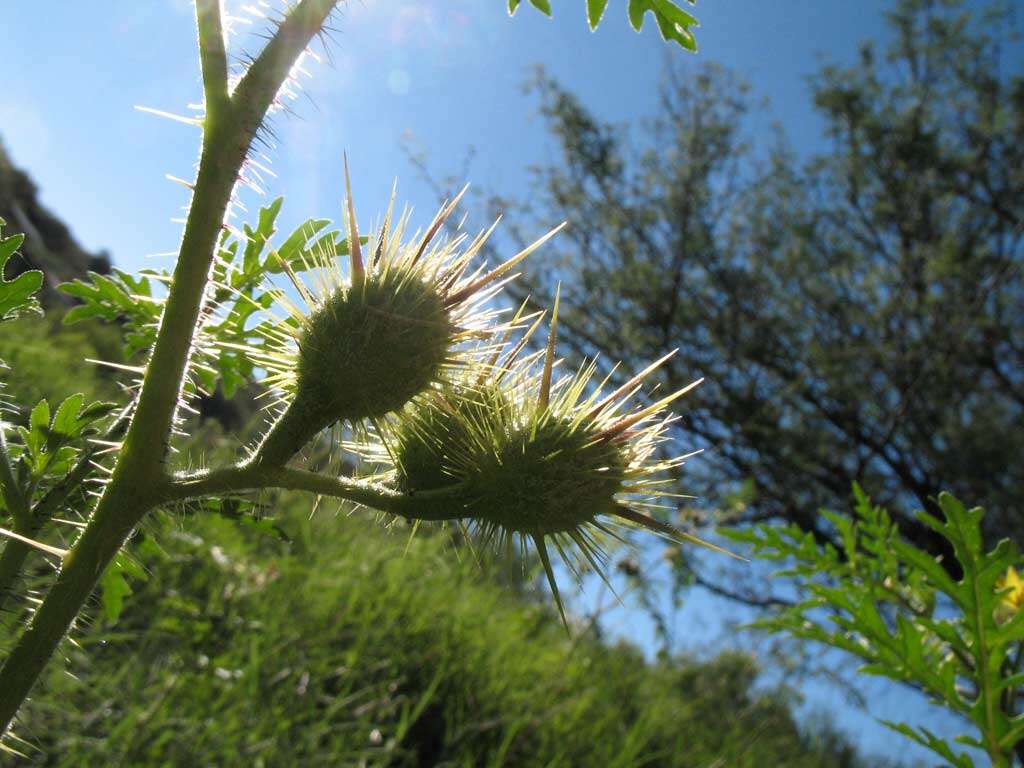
column 49, row 244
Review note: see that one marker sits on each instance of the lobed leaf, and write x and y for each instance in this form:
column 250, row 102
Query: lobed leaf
column 17, row 296
column 673, row 22
column 114, row 587
column 876, row 600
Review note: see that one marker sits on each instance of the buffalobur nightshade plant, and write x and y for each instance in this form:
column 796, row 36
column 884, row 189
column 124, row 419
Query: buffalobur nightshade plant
column 959, row 639
column 379, row 346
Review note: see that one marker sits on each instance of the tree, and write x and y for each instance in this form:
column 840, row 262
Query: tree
column 856, row 314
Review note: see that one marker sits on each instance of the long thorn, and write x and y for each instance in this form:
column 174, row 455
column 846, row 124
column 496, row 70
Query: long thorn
column 382, row 240
column 635, row 380
column 628, row 421
column 439, row 220
column 670, row 531
column 549, row 356
column 510, row 358
column 501, row 269
column 542, row 551
column 354, row 248
column 499, row 347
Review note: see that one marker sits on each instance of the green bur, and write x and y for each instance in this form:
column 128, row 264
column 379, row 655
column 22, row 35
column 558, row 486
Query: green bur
column 522, row 470
column 364, row 352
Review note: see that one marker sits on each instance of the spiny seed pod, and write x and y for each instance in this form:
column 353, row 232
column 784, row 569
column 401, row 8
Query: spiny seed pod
column 546, row 462
column 368, row 343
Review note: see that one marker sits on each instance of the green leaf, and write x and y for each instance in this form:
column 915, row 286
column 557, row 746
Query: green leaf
column 673, row 22
column 119, row 298
column 293, row 250
column 878, row 602
column 16, row 296
column 595, row 10
column 926, row 564
column 258, row 239
column 1014, row 735
column 40, row 416
column 926, row 738
column 65, row 420
column 97, row 410
column 114, row 587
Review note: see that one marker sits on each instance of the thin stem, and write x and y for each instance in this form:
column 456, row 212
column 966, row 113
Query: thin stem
column 258, row 88
column 17, row 504
column 213, row 57
column 254, row 477
column 225, row 145
column 289, row 433
column 12, row 559
column 115, row 517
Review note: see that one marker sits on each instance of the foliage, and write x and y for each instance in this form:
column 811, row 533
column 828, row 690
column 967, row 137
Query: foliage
column 856, row 314
column 892, row 605
column 45, row 361
column 47, row 445
column 17, row 296
column 673, row 22
column 244, row 260
column 351, row 644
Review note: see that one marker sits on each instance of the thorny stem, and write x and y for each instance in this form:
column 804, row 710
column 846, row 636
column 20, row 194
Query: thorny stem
column 12, row 559
column 258, row 476
column 15, row 551
column 289, row 433
column 213, row 57
column 14, row 498
column 138, row 480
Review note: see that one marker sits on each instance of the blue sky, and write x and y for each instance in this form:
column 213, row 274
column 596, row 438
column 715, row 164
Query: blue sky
column 443, row 74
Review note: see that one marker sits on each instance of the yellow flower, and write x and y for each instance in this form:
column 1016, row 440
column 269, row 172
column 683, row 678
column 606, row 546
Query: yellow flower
column 1013, row 587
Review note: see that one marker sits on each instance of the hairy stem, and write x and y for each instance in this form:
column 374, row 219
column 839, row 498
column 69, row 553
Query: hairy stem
column 257, row 90
column 295, row 427
column 138, row 480
column 213, row 58
column 12, row 560
column 14, row 498
column 226, row 141
column 14, row 552
column 254, row 477
column 111, row 524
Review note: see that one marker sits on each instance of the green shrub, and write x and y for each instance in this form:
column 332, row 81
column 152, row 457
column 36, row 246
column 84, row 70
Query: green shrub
column 953, row 630
column 361, row 648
